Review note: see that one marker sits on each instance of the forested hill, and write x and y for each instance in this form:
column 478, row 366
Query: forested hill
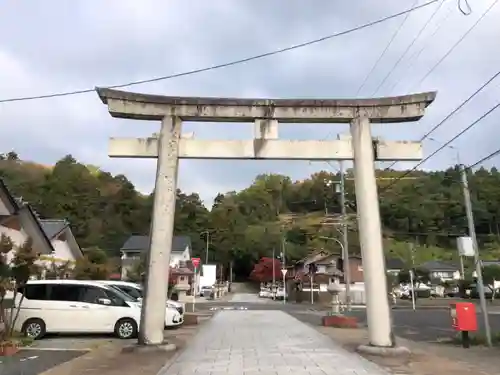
column 104, row 210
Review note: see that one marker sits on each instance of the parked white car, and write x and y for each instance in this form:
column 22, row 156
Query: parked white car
column 135, row 291
column 76, row 306
column 281, row 294
column 265, row 293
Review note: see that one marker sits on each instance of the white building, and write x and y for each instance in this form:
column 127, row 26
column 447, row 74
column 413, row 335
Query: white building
column 65, row 247
column 135, row 246
column 19, row 222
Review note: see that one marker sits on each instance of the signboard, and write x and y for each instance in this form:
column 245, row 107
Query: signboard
column 283, row 272
column 465, row 247
column 196, row 262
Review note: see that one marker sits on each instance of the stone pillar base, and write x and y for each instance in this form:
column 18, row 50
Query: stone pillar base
column 381, row 351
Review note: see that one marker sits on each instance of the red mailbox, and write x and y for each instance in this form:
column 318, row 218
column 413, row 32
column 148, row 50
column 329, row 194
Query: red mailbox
column 463, row 315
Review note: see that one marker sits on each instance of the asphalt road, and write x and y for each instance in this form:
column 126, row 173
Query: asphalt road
column 34, row 362
column 424, row 325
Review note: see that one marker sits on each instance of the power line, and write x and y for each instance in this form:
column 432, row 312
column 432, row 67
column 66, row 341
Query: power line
column 486, row 158
column 231, row 63
column 439, row 124
column 408, row 48
column 484, row 115
column 413, row 58
column 455, row 45
column 385, row 50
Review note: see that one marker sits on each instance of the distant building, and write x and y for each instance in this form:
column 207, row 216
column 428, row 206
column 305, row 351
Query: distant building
column 52, row 239
column 58, row 231
column 443, row 271
column 394, row 266
column 135, row 246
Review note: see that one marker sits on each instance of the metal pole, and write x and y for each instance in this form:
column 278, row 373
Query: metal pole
column 462, row 270
column 472, row 234
column 412, row 275
column 273, row 287
column 312, row 292
column 284, row 268
column 345, row 240
column 207, row 243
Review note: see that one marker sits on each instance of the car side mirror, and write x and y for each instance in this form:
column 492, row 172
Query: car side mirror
column 104, row 301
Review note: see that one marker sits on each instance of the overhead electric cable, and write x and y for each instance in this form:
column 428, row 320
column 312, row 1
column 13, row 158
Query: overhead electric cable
column 478, row 120
column 449, row 115
column 462, row 38
column 394, row 35
column 389, row 73
column 414, row 58
column 227, row 64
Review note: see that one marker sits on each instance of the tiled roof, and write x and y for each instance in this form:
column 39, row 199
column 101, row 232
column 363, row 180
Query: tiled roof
column 435, row 265
column 141, row 243
column 394, row 264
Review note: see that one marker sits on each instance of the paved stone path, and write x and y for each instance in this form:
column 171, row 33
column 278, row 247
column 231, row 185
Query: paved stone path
column 265, row 342
column 247, row 298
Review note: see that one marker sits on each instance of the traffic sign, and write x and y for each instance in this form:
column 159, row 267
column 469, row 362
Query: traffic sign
column 196, row 262
column 283, row 271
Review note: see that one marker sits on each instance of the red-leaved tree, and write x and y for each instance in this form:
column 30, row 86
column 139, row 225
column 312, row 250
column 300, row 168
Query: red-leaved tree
column 263, row 271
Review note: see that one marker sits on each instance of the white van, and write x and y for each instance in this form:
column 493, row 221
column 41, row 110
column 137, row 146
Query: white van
column 135, row 291
column 77, row 306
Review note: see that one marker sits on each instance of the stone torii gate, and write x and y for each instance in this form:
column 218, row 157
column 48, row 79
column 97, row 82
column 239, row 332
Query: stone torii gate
column 169, row 146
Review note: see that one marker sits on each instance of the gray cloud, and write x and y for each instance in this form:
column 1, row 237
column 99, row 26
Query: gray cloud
column 65, row 46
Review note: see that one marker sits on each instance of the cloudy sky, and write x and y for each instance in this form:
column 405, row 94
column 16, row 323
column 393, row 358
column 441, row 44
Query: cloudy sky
column 59, row 45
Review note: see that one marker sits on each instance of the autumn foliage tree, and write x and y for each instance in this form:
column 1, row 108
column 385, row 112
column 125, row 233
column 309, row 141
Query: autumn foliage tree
column 263, row 270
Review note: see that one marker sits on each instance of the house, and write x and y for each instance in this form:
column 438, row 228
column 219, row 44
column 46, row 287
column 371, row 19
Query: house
column 58, row 231
column 394, row 266
column 488, row 263
column 52, row 239
column 136, row 245
column 329, row 264
column 441, row 270
column 19, row 222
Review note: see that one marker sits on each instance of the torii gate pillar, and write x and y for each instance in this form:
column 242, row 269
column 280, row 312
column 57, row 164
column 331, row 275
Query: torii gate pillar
column 266, row 114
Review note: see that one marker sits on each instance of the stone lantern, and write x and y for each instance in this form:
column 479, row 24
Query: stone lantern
column 334, row 288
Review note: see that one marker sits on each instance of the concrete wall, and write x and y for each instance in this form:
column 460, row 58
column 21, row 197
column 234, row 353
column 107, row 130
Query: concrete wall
column 177, row 257
column 62, row 250
column 208, row 272
column 18, row 237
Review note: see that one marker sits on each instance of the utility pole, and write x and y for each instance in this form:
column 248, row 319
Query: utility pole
column 207, row 244
column 284, row 267
column 472, row 234
column 345, row 240
column 273, row 288
column 412, row 274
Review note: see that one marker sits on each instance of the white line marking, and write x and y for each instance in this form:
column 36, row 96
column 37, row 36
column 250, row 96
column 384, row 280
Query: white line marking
column 60, row 349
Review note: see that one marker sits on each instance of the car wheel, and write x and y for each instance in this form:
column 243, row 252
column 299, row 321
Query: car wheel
column 126, row 328
column 34, row 329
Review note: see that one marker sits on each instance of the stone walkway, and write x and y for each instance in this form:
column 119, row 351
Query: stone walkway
column 248, row 298
column 265, row 342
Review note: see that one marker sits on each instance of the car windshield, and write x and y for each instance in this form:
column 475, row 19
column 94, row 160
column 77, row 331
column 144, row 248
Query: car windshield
column 126, row 297
column 130, row 290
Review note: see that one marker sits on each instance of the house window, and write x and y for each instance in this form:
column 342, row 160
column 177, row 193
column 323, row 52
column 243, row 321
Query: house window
column 181, row 278
column 360, row 268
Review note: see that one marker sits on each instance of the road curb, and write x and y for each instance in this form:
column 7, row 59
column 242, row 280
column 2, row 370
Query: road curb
column 421, row 307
